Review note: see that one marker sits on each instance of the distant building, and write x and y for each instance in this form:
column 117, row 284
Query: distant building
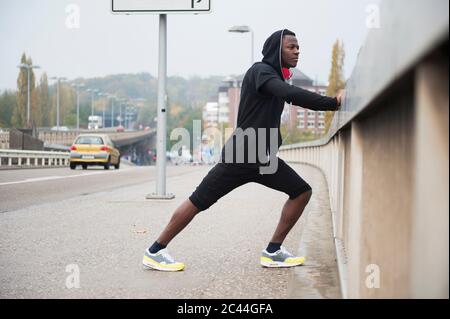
column 210, row 114
column 223, row 103
column 226, row 109
column 234, row 97
column 301, row 118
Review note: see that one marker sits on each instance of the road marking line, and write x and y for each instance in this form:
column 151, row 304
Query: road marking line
column 48, row 178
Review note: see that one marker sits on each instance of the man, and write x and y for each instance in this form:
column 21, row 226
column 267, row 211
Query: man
column 263, row 96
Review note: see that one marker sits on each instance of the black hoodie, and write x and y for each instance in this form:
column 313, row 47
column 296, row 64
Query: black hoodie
column 263, row 96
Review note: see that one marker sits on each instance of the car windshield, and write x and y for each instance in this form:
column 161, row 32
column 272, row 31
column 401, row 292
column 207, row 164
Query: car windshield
column 89, row 140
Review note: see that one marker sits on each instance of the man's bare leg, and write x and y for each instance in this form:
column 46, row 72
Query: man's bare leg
column 180, row 219
column 183, row 215
column 292, row 210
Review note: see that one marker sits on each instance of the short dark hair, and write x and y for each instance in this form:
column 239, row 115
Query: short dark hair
column 288, row 32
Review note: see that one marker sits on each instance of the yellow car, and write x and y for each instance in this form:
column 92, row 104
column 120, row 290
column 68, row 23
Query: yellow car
column 93, row 149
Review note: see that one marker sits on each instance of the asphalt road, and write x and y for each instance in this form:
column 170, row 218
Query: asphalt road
column 82, row 234
column 21, row 188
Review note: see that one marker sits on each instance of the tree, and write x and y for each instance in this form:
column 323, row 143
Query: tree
column 147, row 115
column 7, row 105
column 336, row 80
column 67, row 105
column 293, row 136
column 185, row 118
column 19, row 118
column 44, row 101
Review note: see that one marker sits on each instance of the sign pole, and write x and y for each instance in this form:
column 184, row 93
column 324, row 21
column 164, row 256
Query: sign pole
column 162, row 8
column 162, row 114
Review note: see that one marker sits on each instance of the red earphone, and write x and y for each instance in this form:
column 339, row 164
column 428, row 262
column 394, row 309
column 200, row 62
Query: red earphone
column 287, row 74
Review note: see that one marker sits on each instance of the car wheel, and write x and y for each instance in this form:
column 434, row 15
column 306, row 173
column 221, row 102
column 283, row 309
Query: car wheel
column 73, row 166
column 84, row 166
column 117, row 166
column 106, row 166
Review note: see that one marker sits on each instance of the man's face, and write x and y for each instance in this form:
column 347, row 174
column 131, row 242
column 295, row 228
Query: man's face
column 289, row 52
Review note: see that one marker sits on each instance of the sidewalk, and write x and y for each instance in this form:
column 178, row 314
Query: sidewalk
column 105, row 234
column 319, row 277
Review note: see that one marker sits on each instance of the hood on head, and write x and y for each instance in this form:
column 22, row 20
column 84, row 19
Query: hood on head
column 272, row 51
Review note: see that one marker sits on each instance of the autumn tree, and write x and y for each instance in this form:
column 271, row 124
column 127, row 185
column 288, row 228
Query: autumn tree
column 68, row 105
column 19, row 118
column 7, row 105
column 44, row 101
column 336, row 80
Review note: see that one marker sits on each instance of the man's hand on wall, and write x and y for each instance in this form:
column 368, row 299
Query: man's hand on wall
column 340, row 98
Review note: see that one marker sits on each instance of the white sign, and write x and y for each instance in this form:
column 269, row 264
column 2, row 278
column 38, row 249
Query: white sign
column 161, row 6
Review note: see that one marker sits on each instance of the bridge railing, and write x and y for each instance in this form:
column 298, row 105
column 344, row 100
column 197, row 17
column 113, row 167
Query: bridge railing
column 22, row 159
column 386, row 159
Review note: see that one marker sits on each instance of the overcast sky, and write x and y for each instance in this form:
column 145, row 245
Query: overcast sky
column 106, row 44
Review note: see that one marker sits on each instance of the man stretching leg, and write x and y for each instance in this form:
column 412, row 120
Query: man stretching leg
column 263, row 96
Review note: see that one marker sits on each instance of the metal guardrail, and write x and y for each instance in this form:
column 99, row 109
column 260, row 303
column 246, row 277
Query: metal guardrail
column 28, row 159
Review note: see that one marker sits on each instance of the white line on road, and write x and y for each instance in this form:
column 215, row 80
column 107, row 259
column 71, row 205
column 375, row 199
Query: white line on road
column 48, row 178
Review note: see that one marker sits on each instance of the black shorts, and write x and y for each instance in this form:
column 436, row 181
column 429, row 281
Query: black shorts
column 225, row 177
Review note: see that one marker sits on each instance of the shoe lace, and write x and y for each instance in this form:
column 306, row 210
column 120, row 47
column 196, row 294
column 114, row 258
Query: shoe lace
column 166, row 255
column 284, row 251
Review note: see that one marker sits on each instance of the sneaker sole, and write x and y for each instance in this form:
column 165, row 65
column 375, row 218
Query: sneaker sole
column 148, row 265
column 279, row 264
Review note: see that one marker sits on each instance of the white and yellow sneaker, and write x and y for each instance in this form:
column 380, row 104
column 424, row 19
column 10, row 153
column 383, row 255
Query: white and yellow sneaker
column 161, row 261
column 281, row 258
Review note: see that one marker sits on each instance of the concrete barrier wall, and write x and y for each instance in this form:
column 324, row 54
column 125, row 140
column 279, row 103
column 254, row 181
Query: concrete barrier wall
column 68, row 137
column 58, row 138
column 23, row 141
column 386, row 159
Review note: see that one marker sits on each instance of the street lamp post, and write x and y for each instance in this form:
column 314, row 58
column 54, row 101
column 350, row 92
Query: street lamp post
column 126, row 116
column 121, row 102
column 103, row 111
column 28, row 67
column 112, row 97
column 130, row 111
column 245, row 29
column 112, row 110
column 106, row 95
column 58, row 81
column 120, row 114
column 78, row 86
column 93, row 91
